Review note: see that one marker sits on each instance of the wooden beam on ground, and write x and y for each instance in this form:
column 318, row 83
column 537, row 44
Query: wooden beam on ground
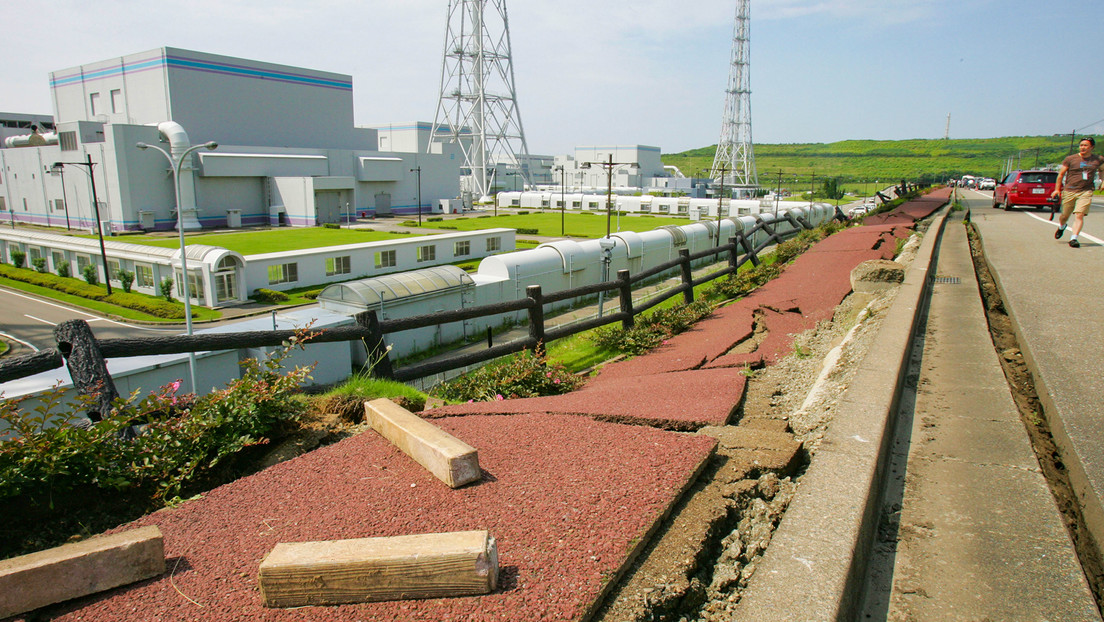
column 435, row 565
column 449, row 459
column 78, row 569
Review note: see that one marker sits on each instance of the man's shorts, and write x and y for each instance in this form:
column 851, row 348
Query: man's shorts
column 1076, row 203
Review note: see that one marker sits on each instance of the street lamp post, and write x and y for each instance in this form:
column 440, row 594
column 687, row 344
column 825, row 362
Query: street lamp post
column 563, row 181
column 418, row 170
column 96, row 210
column 176, row 164
column 60, row 170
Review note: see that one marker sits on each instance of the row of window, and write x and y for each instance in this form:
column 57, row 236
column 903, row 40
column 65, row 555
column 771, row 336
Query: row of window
column 342, row 264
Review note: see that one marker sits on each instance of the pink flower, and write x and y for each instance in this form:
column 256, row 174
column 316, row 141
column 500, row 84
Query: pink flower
column 175, row 386
column 548, row 375
column 556, row 381
column 498, row 397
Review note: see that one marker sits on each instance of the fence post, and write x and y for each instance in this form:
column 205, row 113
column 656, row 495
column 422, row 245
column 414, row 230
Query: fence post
column 86, row 365
column 378, row 357
column 749, row 250
column 771, row 231
column 734, row 252
column 687, row 276
column 536, row 317
column 625, row 290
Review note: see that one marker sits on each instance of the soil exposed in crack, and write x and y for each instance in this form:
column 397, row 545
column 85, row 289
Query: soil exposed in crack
column 1022, row 385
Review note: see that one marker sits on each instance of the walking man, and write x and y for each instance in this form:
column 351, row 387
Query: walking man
column 1075, row 186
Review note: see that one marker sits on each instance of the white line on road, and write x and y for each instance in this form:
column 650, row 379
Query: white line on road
column 43, row 302
column 1050, row 222
column 13, row 338
column 38, row 319
column 92, row 318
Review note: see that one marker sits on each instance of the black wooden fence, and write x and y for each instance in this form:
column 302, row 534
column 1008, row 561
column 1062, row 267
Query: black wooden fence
column 739, row 250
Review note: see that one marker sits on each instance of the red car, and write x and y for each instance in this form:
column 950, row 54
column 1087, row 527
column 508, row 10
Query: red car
column 1025, row 188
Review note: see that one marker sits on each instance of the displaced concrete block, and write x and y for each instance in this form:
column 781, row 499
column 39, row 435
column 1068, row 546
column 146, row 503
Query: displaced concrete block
column 73, row 570
column 371, row 569
column 877, row 274
column 449, row 459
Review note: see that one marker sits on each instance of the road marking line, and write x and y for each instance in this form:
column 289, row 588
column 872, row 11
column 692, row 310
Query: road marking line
column 41, row 301
column 94, row 318
column 38, row 319
column 1049, row 222
column 14, row 338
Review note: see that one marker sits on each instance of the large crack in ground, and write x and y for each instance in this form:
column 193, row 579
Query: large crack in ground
column 701, row 560
column 1022, row 385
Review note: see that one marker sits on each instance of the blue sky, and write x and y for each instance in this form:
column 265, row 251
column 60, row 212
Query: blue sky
column 642, row 71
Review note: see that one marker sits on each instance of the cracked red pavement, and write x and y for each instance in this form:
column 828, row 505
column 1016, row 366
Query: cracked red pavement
column 569, row 498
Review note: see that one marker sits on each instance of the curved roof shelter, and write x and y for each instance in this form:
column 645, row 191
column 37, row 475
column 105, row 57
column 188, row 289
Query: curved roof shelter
column 397, row 286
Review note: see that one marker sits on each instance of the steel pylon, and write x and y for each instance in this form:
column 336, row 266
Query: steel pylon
column 477, row 106
column 735, row 152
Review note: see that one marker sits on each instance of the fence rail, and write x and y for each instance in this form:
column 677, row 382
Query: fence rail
column 373, row 332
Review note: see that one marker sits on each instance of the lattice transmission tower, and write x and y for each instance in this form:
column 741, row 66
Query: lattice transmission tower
column 478, row 106
column 735, row 159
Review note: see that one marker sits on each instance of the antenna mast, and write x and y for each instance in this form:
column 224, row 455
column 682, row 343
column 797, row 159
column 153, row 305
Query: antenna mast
column 735, row 151
column 477, row 107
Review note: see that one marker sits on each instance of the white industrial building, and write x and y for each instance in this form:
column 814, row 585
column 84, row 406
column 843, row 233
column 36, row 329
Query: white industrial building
column 288, row 153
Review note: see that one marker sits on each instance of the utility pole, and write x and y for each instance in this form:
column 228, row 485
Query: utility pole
column 720, row 199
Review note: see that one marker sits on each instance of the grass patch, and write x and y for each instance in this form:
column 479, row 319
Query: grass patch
column 579, row 225
column 271, row 240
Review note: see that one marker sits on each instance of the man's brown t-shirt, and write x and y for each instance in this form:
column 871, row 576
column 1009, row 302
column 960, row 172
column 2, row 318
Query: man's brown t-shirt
column 1081, row 171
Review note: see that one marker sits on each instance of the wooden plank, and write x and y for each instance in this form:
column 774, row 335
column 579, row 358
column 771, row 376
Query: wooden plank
column 433, row 565
column 449, row 459
column 78, row 569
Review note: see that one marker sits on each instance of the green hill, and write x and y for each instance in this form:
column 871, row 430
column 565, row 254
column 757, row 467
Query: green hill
column 916, row 160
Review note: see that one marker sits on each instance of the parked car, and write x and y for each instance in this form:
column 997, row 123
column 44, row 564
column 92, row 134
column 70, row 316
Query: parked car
column 1028, row 188
column 987, row 184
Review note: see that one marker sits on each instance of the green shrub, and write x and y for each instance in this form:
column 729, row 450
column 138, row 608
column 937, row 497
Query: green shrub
column 62, row 268
column 528, row 231
column 524, row 374
column 65, row 285
column 330, row 225
column 651, row 330
column 410, row 223
column 39, row 264
column 166, row 289
column 311, row 294
column 435, row 219
column 125, row 278
column 522, row 212
column 269, row 296
column 91, row 274
column 180, row 439
column 18, row 257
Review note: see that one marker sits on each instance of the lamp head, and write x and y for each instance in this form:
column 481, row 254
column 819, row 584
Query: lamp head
column 210, row 145
column 142, row 146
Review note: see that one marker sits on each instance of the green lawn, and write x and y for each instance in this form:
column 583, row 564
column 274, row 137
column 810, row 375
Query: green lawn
column 270, row 241
column 547, row 223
